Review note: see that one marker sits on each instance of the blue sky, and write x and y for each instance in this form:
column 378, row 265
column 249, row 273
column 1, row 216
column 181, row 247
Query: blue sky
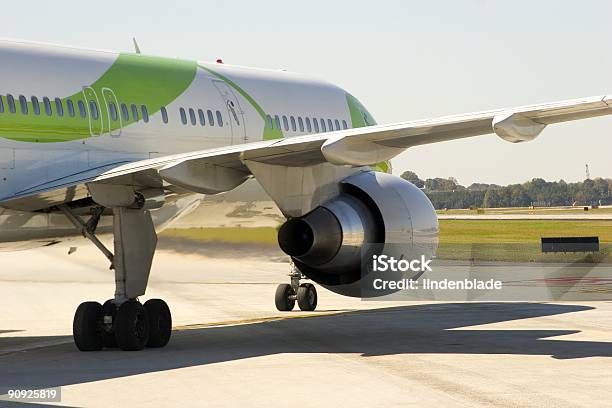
column 404, row 60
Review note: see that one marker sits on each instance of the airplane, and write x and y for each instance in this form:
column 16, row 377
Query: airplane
column 97, row 143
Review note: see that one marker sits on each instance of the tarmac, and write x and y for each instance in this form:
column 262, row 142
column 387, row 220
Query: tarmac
column 232, row 348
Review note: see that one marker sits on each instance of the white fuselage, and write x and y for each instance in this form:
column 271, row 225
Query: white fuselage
column 203, row 106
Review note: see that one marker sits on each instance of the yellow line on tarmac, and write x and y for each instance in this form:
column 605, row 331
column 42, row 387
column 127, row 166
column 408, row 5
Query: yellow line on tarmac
column 65, row 339
column 258, row 320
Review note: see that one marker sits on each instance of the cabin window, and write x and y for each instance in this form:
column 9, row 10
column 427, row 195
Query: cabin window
column 82, row 110
column 47, row 104
column 164, row 114
column 269, row 121
column 93, row 110
column 10, row 101
column 135, row 115
column 337, row 123
column 23, row 103
column 35, row 105
column 112, row 108
column 125, row 112
column 330, row 125
column 211, row 119
column 308, row 125
column 315, row 122
column 219, row 119
column 344, row 125
column 59, row 107
column 277, row 121
column 285, row 123
column 293, row 126
column 1, row 105
column 192, row 117
column 145, row 113
column 70, row 106
column 323, row 128
column 300, row 123
column 183, row 116
column 202, row 117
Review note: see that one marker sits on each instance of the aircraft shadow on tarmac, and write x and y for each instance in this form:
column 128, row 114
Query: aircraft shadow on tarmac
column 388, row 331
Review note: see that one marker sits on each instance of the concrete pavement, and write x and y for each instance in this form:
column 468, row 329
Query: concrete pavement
column 231, row 346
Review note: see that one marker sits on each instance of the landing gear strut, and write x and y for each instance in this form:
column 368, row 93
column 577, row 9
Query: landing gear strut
column 123, row 321
column 287, row 294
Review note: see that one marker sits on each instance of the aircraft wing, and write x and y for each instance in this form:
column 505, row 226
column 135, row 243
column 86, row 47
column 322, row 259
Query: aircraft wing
column 216, row 170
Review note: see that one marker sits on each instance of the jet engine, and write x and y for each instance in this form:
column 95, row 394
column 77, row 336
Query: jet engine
column 374, row 214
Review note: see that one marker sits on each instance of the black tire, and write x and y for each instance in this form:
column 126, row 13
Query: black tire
column 160, row 322
column 108, row 332
column 86, row 326
column 281, row 298
column 307, row 297
column 131, row 326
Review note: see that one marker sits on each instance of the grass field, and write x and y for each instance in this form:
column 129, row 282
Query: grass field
column 495, row 240
column 518, row 240
column 231, row 235
column 519, row 231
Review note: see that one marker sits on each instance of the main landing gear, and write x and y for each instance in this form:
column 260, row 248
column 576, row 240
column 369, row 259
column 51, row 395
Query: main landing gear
column 131, row 326
column 287, row 294
column 123, row 321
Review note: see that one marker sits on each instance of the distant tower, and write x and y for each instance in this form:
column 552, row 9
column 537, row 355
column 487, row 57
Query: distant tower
column 588, row 174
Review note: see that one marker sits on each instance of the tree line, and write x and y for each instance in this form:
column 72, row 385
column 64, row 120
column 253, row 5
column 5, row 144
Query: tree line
column 448, row 193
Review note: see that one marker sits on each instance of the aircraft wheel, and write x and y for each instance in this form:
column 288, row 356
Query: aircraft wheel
column 160, row 322
column 307, row 297
column 131, row 326
column 109, row 313
column 284, row 298
column 86, row 326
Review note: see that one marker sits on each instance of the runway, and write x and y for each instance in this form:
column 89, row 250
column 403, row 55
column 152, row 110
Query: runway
column 231, row 347
column 564, row 217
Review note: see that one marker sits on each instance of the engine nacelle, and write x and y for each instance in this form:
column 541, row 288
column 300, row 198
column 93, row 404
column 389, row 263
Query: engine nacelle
column 374, row 214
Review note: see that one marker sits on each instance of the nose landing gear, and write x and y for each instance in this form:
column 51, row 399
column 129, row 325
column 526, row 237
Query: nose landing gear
column 287, row 294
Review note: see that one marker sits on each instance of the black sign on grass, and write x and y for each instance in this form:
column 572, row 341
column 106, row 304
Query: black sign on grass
column 570, row 244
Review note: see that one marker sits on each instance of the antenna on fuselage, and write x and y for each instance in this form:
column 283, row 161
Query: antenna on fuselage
column 136, row 47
